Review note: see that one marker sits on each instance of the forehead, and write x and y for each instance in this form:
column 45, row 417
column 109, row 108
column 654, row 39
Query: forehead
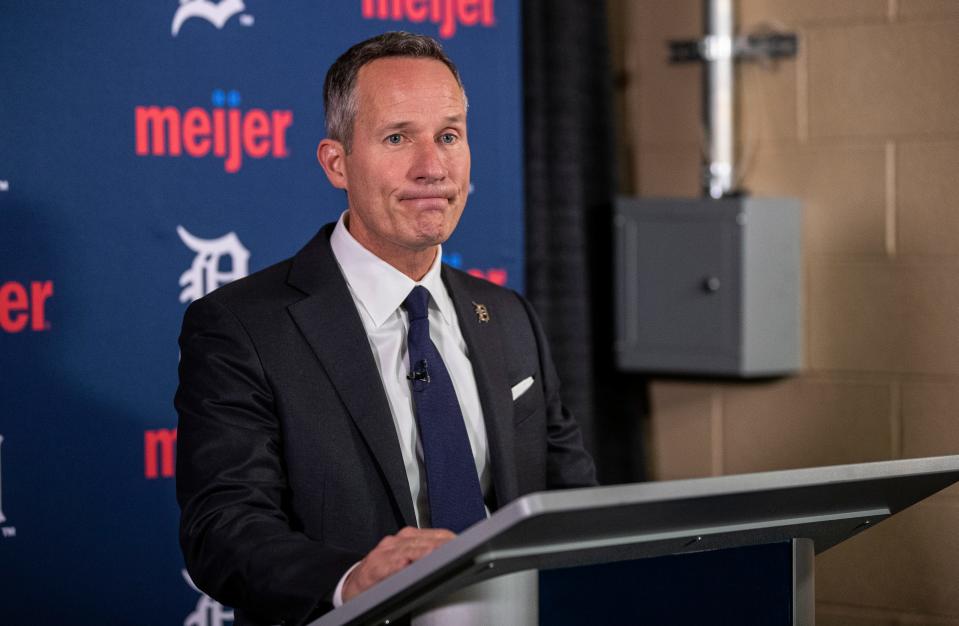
column 406, row 85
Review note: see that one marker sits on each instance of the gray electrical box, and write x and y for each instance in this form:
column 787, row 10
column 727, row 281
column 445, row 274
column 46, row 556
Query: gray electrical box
column 709, row 287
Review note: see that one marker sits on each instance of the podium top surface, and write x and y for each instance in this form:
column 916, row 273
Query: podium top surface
column 604, row 524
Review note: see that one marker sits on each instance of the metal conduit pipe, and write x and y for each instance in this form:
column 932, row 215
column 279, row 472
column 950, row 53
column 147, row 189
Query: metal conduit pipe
column 719, row 50
column 718, row 53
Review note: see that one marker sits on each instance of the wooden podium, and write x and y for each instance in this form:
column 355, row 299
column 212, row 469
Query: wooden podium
column 796, row 513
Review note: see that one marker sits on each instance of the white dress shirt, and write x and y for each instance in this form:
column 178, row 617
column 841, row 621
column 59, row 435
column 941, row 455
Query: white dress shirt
column 378, row 290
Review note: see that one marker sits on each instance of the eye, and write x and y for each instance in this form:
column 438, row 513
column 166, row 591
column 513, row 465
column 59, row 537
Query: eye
column 448, row 138
column 395, row 139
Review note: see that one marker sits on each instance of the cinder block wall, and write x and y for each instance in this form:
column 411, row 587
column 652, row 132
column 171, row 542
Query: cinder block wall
column 864, row 127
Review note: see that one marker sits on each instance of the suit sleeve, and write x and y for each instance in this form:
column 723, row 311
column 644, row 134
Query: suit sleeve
column 231, row 484
column 568, row 464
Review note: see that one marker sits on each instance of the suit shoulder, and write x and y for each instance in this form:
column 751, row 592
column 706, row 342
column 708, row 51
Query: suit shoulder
column 267, row 284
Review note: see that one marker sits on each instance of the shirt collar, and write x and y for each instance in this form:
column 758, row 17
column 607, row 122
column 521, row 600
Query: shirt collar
column 379, row 287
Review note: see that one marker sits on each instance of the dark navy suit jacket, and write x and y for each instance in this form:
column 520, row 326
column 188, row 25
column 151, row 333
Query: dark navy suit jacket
column 289, row 469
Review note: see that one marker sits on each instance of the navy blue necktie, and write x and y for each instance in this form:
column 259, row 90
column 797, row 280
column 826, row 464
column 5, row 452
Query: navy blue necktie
column 452, row 486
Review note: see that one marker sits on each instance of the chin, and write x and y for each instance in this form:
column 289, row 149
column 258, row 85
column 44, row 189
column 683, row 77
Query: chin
column 433, row 235
column 429, row 240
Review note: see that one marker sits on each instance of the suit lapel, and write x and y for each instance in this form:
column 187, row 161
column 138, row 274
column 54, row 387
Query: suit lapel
column 331, row 325
column 484, row 341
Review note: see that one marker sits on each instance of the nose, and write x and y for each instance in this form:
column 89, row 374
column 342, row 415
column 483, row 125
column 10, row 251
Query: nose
column 427, row 166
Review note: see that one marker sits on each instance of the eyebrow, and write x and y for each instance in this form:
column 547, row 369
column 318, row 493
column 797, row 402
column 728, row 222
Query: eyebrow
column 403, row 125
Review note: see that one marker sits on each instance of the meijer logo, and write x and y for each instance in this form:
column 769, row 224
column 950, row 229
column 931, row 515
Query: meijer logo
column 446, row 13
column 159, row 453
column 24, row 306
column 226, row 131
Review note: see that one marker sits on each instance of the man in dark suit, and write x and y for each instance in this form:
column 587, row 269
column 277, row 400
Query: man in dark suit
column 307, row 466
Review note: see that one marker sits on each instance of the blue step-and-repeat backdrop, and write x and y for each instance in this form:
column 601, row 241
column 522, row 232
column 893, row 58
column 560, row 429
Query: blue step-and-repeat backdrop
column 151, row 151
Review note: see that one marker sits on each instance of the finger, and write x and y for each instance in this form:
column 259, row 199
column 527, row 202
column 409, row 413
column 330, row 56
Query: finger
column 393, row 553
column 416, row 550
column 396, row 553
column 437, row 533
column 383, row 562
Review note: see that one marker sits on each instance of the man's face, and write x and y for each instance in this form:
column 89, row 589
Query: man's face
column 408, row 175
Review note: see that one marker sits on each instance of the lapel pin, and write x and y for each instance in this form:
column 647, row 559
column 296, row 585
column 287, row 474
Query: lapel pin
column 482, row 313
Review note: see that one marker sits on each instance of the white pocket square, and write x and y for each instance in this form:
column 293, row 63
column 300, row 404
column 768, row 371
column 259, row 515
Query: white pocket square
column 521, row 387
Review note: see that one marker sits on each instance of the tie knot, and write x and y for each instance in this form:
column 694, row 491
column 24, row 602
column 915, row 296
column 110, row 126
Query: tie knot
column 416, row 303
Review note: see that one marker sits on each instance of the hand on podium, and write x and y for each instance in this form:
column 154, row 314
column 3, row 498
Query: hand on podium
column 392, row 554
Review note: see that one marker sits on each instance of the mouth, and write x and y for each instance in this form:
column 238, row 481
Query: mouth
column 428, row 195
column 433, row 200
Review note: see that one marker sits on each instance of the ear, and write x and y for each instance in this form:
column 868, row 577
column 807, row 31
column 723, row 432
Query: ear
column 332, row 157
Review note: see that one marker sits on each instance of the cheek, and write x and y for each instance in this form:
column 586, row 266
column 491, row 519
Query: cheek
column 465, row 176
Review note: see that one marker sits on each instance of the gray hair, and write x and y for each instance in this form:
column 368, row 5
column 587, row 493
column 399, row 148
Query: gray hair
column 339, row 89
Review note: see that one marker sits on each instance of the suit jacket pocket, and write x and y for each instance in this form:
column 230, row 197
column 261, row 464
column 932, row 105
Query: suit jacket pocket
column 528, row 400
